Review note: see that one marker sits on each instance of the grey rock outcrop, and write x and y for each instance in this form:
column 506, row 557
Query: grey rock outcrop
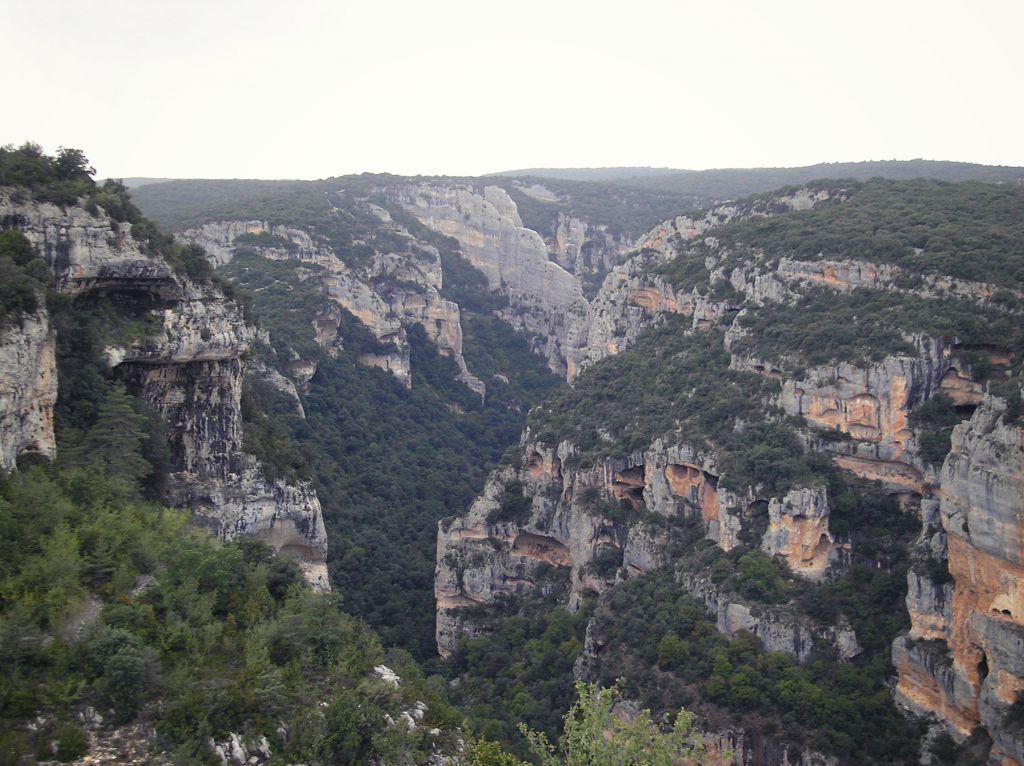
column 190, row 369
column 390, row 291
column 191, row 373
column 963, row 660
column 86, row 250
column 778, row 629
column 28, row 389
column 583, row 248
column 571, row 539
column 544, row 298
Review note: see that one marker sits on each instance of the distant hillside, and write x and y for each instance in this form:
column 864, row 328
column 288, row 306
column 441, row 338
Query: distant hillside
column 730, row 183
column 627, row 211
column 592, row 174
column 136, row 182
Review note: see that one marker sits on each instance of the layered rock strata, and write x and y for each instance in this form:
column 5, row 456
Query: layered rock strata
column 581, row 530
column 964, row 657
column 191, row 373
column 390, row 291
column 798, row 532
column 85, row 250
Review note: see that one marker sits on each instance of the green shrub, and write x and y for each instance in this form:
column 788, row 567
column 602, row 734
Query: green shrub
column 72, row 741
column 513, row 505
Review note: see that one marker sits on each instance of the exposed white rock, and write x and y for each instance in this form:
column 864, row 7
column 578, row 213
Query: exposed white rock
column 85, row 249
column 387, row 675
column 544, row 299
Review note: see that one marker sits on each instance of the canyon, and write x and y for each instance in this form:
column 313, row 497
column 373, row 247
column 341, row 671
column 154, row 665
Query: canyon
column 575, row 512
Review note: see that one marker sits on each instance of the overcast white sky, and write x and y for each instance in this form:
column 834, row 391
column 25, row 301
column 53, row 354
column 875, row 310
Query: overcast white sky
column 313, row 88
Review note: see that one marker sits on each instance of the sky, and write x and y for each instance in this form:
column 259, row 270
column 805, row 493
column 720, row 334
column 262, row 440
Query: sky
column 315, row 88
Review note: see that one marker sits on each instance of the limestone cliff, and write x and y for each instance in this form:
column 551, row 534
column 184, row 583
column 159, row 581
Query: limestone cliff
column 190, row 370
column 798, row 531
column 584, row 248
column 871, row 405
column 576, row 536
column 581, row 530
column 28, row 389
column 633, row 296
column 544, row 299
column 386, row 293
column 964, row 657
column 86, row 250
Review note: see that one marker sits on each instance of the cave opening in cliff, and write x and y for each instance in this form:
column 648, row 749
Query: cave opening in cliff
column 629, row 486
column 535, row 465
column 983, row 668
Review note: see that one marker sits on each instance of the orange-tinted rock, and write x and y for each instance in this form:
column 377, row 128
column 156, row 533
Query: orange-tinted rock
column 691, row 483
column 798, row 531
column 542, row 548
column 928, row 684
column 886, row 471
column 982, row 507
column 628, row 484
column 866, row 405
column 960, row 388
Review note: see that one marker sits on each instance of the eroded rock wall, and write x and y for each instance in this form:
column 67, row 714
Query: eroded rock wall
column 191, row 373
column 963, row 660
column 391, row 290
column 190, row 369
column 28, row 389
column 582, row 529
column 544, row 299
column 584, row 248
column 86, row 249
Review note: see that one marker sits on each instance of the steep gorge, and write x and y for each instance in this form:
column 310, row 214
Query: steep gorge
column 824, row 363
column 859, row 411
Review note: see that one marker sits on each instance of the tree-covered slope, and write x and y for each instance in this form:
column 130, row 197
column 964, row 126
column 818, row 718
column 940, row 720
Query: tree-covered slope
column 126, row 632
column 732, row 183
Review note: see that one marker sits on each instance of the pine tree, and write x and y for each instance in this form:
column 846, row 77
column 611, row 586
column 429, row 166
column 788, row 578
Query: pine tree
column 114, row 443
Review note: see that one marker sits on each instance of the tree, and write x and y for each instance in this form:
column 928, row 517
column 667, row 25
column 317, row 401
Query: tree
column 72, row 164
column 483, row 752
column 115, row 441
column 595, row 735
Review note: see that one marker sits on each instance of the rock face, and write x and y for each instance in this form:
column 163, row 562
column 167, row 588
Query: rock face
column 628, row 302
column 584, row 248
column 391, row 291
column 544, row 299
column 962, row 660
column 192, row 374
column 575, row 537
column 964, row 657
column 780, row 630
column 190, row 370
column 28, row 389
column 872, row 406
column 798, row 531
column 85, row 250
column 849, row 274
column 223, row 486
